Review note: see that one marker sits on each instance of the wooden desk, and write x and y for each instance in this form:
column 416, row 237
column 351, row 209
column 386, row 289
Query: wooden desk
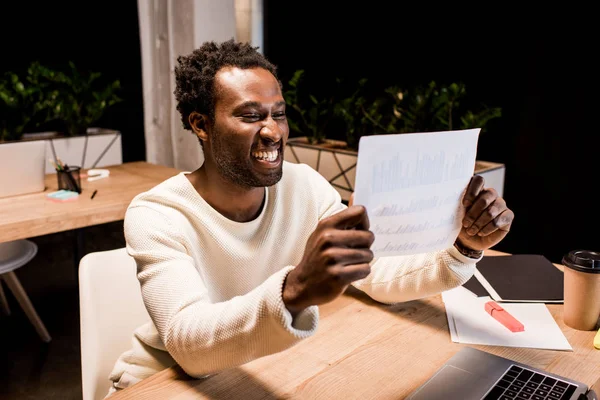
column 363, row 350
column 34, row 215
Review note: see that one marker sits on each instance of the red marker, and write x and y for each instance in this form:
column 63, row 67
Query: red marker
column 502, row 316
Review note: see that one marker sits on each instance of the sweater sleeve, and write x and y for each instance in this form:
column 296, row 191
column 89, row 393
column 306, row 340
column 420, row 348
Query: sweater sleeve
column 204, row 337
column 404, row 278
column 401, row 278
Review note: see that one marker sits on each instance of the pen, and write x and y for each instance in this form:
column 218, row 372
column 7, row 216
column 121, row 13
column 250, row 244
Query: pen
column 56, row 167
column 502, row 316
column 93, row 194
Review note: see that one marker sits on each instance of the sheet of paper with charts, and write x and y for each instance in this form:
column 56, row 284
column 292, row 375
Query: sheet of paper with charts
column 412, row 185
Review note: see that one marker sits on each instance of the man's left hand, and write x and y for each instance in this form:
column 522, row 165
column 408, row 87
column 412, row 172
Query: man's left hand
column 487, row 218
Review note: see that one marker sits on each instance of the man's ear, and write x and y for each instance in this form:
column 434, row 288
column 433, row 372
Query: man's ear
column 199, row 122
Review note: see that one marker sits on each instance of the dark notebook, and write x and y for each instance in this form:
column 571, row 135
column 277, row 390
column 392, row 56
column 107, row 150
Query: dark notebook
column 517, row 278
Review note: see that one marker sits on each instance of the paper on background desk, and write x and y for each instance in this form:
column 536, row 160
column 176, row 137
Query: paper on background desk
column 470, row 323
column 412, row 186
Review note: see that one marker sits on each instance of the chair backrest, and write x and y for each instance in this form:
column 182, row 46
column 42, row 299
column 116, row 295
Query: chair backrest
column 111, row 308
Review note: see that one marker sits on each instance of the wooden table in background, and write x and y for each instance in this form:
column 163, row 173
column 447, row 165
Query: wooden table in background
column 34, row 215
column 363, row 350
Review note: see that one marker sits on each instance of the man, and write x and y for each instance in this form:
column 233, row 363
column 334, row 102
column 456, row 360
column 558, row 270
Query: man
column 235, row 258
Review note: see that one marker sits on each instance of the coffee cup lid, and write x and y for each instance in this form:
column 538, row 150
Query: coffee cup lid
column 583, row 260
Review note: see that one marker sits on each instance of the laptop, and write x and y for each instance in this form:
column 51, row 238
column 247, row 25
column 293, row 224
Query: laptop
column 22, row 167
column 473, row 374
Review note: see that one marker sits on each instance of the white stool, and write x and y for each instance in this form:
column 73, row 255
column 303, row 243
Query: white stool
column 14, row 255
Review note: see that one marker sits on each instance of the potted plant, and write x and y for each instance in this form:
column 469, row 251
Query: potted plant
column 312, row 114
column 422, row 108
column 79, row 100
column 25, row 103
column 70, row 102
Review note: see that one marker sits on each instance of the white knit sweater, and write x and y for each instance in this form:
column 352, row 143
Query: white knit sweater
column 213, row 287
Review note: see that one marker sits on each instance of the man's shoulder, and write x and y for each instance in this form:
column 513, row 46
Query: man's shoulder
column 298, row 171
column 159, row 209
column 303, row 185
column 163, row 194
column 305, row 179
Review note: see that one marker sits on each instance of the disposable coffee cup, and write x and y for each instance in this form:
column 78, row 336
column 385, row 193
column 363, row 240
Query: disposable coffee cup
column 581, row 289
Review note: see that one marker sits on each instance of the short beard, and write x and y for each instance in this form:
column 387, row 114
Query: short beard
column 243, row 177
column 241, row 173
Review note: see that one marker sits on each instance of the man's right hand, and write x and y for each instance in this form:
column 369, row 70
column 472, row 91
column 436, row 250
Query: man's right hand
column 337, row 253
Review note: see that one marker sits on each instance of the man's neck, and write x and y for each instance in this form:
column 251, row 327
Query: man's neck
column 232, row 201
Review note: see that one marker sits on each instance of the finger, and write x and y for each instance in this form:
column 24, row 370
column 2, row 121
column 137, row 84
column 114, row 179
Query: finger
column 485, row 198
column 502, row 222
column 351, row 217
column 346, row 256
column 346, row 238
column 487, row 215
column 354, row 272
column 351, row 201
column 475, row 186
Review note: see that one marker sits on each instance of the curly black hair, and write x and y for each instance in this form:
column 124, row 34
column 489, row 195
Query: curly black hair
column 195, row 74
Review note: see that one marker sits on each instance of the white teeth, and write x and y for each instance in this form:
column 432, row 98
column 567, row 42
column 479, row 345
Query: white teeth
column 263, row 155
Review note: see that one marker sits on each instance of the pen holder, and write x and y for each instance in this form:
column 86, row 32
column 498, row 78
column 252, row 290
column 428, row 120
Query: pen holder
column 69, row 179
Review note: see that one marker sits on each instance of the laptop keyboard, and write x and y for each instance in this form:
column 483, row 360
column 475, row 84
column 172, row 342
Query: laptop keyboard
column 525, row 384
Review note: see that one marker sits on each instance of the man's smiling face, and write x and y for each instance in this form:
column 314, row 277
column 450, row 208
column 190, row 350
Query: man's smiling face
column 248, row 135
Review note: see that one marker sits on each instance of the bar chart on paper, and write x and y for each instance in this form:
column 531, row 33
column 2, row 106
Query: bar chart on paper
column 412, row 186
column 426, row 169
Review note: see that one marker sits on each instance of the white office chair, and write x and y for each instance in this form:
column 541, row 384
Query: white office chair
column 111, row 308
column 14, row 255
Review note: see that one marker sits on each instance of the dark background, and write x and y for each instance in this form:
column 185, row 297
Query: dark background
column 98, row 37
column 537, row 65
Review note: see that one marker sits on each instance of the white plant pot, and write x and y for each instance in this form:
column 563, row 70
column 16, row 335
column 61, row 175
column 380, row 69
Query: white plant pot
column 103, row 148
